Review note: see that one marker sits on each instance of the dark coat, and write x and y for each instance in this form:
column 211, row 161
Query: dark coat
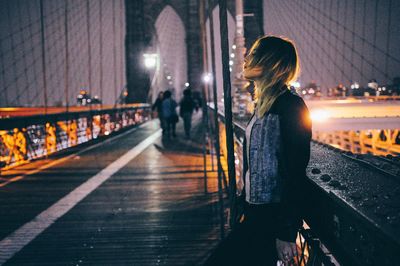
column 279, row 154
column 186, row 105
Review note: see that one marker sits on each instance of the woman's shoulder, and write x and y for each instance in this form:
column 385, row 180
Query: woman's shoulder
column 288, row 102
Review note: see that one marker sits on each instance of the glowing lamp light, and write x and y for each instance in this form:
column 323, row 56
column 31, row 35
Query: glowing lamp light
column 150, row 60
column 319, row 115
column 187, row 84
column 207, row 77
column 234, row 47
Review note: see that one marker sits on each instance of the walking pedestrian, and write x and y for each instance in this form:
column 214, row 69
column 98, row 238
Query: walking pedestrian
column 276, row 151
column 186, row 110
column 158, row 106
column 169, row 114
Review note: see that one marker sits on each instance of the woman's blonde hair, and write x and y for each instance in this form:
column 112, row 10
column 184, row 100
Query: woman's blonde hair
column 280, row 65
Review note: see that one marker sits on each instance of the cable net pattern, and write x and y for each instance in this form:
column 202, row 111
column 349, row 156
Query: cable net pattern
column 340, row 41
column 79, row 30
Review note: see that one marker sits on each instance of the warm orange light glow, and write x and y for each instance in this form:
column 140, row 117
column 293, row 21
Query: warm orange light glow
column 319, row 115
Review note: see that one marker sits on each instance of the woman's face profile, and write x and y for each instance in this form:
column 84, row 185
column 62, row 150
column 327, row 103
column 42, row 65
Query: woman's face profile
column 251, row 73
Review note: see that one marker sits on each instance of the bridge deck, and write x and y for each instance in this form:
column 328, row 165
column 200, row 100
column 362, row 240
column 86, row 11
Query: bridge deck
column 151, row 211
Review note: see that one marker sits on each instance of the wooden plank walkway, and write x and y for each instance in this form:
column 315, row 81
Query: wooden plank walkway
column 153, row 211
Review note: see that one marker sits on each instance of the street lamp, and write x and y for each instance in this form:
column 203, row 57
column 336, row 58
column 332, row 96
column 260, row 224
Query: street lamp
column 207, row 77
column 150, row 60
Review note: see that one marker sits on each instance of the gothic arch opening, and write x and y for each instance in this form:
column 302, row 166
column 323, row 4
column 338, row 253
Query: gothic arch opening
column 171, row 72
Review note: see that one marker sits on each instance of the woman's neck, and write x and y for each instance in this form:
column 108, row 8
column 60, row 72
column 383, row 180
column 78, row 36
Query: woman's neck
column 257, row 84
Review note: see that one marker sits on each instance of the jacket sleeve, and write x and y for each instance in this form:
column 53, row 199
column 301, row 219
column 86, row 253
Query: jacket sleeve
column 295, row 129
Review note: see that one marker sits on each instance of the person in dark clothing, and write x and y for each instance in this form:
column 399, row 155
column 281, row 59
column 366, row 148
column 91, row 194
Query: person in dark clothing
column 169, row 114
column 276, row 151
column 186, row 110
column 158, row 106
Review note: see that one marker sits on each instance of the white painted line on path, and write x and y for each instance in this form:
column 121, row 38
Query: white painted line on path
column 21, row 237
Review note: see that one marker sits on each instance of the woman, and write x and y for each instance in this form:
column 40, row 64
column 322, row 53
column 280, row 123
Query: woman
column 169, row 113
column 275, row 156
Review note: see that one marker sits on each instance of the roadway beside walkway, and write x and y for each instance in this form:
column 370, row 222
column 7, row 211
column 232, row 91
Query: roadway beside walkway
column 136, row 199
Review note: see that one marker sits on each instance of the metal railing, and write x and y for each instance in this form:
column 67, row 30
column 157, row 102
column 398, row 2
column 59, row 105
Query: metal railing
column 25, row 137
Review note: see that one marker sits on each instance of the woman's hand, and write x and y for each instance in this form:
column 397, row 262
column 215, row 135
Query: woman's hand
column 287, row 251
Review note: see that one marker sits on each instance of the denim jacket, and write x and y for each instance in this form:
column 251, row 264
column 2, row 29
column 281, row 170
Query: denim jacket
column 278, row 156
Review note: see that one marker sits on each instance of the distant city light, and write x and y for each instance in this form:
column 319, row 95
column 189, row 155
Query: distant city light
column 355, row 85
column 319, row 115
column 169, row 77
column 373, row 84
column 232, row 55
column 150, row 60
column 230, row 62
column 234, row 47
column 187, row 84
column 295, row 84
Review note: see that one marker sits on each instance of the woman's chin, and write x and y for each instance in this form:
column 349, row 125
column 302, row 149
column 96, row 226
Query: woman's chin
column 248, row 77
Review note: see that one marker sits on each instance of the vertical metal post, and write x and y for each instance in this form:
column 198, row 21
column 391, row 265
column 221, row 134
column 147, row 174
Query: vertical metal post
column 353, row 39
column 66, row 89
column 89, row 46
column 122, row 30
column 389, row 26
column 101, row 49
column 43, row 56
column 228, row 108
column 89, row 63
column 372, row 75
column 209, row 124
column 114, row 55
column 204, row 94
column 44, row 69
column 217, row 144
column 363, row 40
